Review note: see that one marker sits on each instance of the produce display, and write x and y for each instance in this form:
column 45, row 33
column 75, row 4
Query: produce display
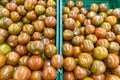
column 91, row 41
column 28, row 48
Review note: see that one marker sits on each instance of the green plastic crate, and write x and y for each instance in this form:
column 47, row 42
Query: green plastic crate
column 57, row 33
column 110, row 3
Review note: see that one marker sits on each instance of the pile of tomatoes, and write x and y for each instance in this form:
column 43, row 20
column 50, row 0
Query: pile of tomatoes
column 91, row 42
column 27, row 40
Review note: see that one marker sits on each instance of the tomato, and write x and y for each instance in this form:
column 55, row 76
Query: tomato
column 94, row 7
column 12, row 58
column 83, row 11
column 15, row 16
column 98, row 67
column 70, row 4
column 11, row 6
column 92, row 37
column 66, row 10
column 110, row 36
column 69, row 23
column 117, row 39
column 116, row 29
column 112, row 61
column 116, row 12
column 91, row 14
column 23, row 38
column 102, row 42
column 19, row 74
column 89, row 29
column 112, row 77
column 76, row 9
column 98, row 76
column 50, row 11
column 57, row 61
column 76, row 51
column 114, row 47
column 100, row 32
column 97, row 20
column 35, row 47
column 111, row 19
column 80, row 72
column 36, row 75
column 50, row 21
column 81, row 18
column 35, row 62
column 49, row 33
column 49, row 73
column 73, row 15
column 67, row 34
column 31, row 15
column 87, row 22
column 106, row 26
column 50, row 50
column 69, row 63
column 85, row 59
column 39, row 9
column 116, row 71
column 68, row 76
column 79, row 4
column 67, row 49
column 87, row 46
column 103, row 7
column 103, row 14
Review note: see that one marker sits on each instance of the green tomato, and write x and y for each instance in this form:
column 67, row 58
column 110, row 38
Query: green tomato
column 5, row 48
column 39, row 9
